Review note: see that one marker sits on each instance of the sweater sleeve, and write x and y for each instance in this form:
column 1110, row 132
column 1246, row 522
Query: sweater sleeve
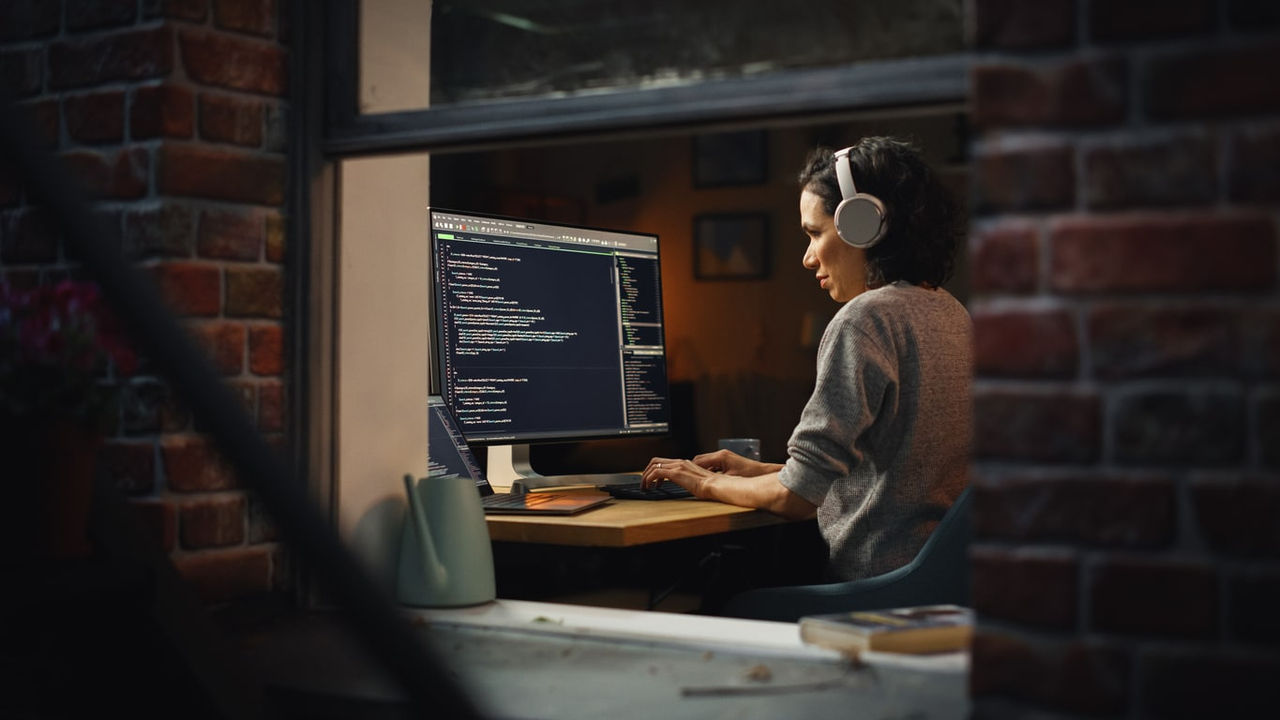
column 855, row 392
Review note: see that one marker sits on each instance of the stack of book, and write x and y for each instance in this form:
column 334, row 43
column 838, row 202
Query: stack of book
column 921, row 629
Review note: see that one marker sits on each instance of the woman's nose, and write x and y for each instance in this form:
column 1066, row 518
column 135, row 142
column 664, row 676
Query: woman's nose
column 810, row 260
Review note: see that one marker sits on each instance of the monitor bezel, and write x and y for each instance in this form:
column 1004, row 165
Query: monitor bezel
column 436, row 381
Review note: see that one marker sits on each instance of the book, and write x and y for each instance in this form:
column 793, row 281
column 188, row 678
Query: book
column 920, row 629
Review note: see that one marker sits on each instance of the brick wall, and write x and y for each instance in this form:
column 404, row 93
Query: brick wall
column 173, row 116
column 1127, row 312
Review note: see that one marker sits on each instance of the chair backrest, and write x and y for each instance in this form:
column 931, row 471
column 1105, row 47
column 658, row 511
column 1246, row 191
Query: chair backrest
column 938, row 574
column 943, row 560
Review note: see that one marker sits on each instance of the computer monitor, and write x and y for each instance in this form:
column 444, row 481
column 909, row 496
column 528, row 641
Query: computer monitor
column 546, row 332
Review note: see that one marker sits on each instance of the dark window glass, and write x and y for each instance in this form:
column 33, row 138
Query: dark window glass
column 527, row 48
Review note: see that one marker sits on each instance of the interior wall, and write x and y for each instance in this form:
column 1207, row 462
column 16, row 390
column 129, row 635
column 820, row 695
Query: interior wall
column 382, row 325
column 747, row 347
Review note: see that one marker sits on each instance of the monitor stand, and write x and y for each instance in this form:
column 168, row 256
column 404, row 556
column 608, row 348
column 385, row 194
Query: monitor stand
column 509, row 465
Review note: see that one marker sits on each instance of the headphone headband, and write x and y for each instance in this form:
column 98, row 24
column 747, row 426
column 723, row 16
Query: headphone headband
column 844, row 173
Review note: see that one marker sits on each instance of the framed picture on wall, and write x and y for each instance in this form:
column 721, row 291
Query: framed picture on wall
column 731, row 246
column 729, row 158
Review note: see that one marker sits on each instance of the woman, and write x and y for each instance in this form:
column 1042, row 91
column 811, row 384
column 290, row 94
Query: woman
column 882, row 447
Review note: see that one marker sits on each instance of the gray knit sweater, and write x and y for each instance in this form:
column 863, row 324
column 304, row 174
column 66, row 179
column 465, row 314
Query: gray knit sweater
column 882, row 447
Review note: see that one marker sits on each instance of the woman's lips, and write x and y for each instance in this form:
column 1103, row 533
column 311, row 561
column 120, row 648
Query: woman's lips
column 822, row 281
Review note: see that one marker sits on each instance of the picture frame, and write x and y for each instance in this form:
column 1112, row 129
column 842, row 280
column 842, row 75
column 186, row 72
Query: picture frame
column 728, row 159
column 731, row 246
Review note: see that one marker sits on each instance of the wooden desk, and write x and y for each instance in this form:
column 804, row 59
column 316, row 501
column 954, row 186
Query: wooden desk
column 625, row 523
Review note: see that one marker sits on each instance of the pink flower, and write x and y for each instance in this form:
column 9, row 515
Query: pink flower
column 57, row 342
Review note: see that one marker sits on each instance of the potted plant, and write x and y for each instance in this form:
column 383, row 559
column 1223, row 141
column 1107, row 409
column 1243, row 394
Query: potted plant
column 61, row 352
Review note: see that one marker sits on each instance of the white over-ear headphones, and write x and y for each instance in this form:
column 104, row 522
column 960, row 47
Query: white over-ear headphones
column 860, row 218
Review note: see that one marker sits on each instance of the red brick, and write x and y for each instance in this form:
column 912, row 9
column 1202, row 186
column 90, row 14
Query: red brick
column 266, row 350
column 1073, row 675
column 28, row 238
column 22, row 19
column 119, row 175
column 1144, row 340
column 1100, row 510
column 1254, row 167
column 1254, row 596
column 1028, row 586
column 92, row 14
column 271, row 407
column 1179, row 428
column 1239, row 516
column 1149, row 596
column 156, row 522
column 1175, row 171
column 220, row 175
column 1025, row 343
column 275, row 242
column 164, row 110
column 216, row 522
column 192, row 464
column 90, row 168
column 101, row 59
column 255, row 292
column 190, row 288
column 231, row 120
column 1146, row 19
column 95, row 117
column 1015, row 25
column 21, row 72
column 222, row 575
column 231, row 234
column 164, row 230
column 1207, row 682
column 234, row 63
column 1077, row 93
column 1212, row 83
column 1046, row 427
column 256, row 17
column 1162, row 252
column 224, row 343
column 45, row 121
column 129, row 466
column 1032, row 179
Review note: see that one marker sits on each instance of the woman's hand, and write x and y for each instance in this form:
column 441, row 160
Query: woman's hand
column 763, row 491
column 684, row 473
column 731, row 463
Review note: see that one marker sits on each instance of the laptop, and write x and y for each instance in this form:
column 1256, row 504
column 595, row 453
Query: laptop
column 448, row 453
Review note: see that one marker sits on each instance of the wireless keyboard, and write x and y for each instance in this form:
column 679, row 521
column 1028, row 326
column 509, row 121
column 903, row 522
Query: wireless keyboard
column 633, row 491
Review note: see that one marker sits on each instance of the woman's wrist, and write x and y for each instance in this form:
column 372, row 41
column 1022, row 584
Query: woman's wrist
column 704, row 490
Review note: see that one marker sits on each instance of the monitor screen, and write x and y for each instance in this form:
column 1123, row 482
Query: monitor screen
column 545, row 332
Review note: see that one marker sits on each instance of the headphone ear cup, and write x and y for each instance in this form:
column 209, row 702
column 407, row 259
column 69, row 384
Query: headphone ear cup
column 860, row 220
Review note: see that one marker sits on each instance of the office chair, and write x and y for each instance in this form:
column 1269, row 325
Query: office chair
column 939, row 573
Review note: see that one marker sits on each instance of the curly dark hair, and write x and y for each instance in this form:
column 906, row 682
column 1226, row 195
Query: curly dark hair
column 925, row 225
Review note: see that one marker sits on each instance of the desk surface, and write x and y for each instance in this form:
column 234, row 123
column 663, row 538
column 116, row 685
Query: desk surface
column 624, row 523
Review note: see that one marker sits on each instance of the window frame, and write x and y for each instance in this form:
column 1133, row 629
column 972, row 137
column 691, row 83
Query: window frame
column 326, row 128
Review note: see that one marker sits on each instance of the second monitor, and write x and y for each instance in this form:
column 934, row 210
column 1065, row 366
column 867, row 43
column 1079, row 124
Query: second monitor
column 546, row 332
